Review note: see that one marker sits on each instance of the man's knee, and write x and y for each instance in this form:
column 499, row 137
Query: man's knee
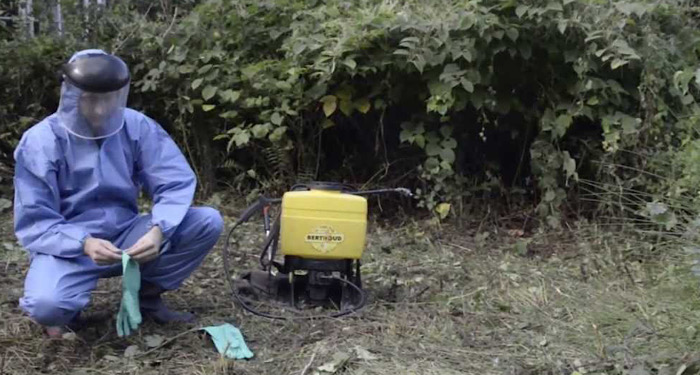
column 215, row 220
column 210, row 220
column 50, row 310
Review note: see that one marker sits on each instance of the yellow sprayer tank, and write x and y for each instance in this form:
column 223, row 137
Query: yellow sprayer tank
column 323, row 224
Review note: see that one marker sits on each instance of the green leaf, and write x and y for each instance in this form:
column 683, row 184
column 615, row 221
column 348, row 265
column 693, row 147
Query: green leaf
column 447, row 155
column 316, row 91
column 521, row 10
column 624, row 48
column 204, row 69
column 449, row 143
column 631, row 8
column 513, row 34
column 467, row 22
column 209, row 92
column 419, row 63
column 467, row 85
column 569, row 165
column 346, row 107
column 561, row 25
column 431, row 136
column 616, row 63
column 555, row 223
column 555, row 5
column 251, row 70
column 409, row 41
column 521, row 247
column 449, row 69
column 327, row 123
column 363, row 105
column 230, row 95
column 549, row 196
column 196, row 83
column 467, row 55
column 350, row 63
column 525, row 50
column 446, row 130
column 330, row 103
column 229, row 114
column 443, row 209
column 344, row 92
column 420, row 140
column 260, row 130
column 379, row 103
column 431, row 163
column 277, row 134
column 276, row 119
column 629, row 125
column 562, row 124
column 185, row 69
column 433, row 149
column 446, row 166
column 208, row 107
column 298, row 48
column 283, row 85
column 241, row 138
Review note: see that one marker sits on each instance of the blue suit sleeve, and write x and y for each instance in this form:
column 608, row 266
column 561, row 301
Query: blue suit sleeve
column 166, row 176
column 39, row 225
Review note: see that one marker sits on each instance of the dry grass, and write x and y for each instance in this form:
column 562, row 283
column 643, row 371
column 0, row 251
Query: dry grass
column 577, row 300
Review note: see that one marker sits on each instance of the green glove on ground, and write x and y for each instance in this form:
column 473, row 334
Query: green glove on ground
column 129, row 316
column 229, row 341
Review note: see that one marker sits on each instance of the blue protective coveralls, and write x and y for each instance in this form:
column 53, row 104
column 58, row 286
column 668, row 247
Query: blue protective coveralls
column 67, row 188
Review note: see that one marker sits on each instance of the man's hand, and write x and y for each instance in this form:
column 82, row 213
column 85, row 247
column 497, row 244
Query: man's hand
column 147, row 247
column 101, row 252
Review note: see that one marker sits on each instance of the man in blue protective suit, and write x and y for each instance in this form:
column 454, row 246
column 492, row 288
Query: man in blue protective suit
column 77, row 179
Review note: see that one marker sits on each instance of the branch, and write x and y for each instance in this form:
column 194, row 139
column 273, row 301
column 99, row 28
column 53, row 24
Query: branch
column 172, row 22
column 121, row 43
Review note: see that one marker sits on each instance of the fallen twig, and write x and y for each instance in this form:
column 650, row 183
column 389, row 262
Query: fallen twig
column 2, row 363
column 306, row 368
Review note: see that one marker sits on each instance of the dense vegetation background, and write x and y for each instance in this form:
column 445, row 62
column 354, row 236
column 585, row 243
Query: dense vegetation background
column 508, row 118
column 549, row 106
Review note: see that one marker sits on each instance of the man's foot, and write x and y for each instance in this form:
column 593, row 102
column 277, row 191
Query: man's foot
column 55, row 332
column 152, row 306
column 155, row 308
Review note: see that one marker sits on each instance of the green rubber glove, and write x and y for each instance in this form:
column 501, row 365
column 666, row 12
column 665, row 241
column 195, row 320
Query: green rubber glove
column 129, row 316
column 229, row 341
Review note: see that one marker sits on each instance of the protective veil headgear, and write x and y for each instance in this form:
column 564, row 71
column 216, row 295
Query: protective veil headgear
column 93, row 94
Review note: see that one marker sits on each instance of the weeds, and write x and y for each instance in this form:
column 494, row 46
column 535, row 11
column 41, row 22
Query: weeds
column 578, row 300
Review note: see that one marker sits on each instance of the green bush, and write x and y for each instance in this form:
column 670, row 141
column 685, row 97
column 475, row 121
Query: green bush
column 457, row 99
